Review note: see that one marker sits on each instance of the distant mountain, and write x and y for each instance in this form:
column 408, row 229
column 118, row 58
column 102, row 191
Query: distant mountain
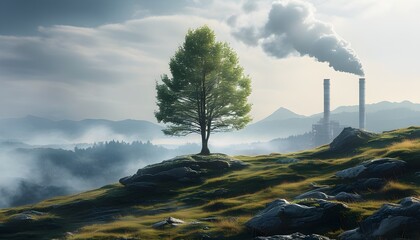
column 380, row 117
column 282, row 123
column 380, row 106
column 267, row 130
column 31, row 127
column 281, row 114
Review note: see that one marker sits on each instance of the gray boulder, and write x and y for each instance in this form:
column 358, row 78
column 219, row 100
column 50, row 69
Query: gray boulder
column 282, row 217
column 25, row 216
column 349, row 139
column 377, row 168
column 391, row 221
column 360, row 185
column 347, row 197
column 294, row 236
column 352, row 172
column 170, row 221
column 314, row 194
column 212, row 162
column 146, row 178
column 184, row 169
column 317, row 186
column 21, row 217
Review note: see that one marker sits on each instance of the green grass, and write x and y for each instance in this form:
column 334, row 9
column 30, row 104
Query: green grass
column 248, row 190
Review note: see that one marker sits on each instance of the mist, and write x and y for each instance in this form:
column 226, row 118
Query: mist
column 53, row 163
column 29, row 173
column 42, row 158
column 290, row 28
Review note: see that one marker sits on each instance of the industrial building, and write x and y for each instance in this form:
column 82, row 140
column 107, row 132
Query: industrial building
column 325, row 130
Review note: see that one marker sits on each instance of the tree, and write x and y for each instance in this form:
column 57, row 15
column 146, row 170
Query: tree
column 207, row 92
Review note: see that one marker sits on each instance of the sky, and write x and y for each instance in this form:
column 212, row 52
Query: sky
column 77, row 59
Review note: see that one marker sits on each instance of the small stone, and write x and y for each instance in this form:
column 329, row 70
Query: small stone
column 287, row 160
column 169, row 221
column 172, row 220
column 313, row 194
column 21, row 217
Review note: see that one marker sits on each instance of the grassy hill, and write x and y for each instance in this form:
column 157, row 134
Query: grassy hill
column 218, row 206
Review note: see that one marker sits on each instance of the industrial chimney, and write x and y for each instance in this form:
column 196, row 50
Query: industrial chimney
column 362, row 114
column 325, row 129
column 326, row 101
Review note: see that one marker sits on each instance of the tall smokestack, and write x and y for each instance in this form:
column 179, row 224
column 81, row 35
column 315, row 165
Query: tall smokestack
column 362, row 114
column 326, row 101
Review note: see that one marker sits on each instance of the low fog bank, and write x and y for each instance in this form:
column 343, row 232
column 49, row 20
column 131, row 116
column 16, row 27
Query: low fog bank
column 41, row 131
column 289, row 144
column 29, row 175
column 54, row 167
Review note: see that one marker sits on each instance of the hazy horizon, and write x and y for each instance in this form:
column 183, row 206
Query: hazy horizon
column 162, row 124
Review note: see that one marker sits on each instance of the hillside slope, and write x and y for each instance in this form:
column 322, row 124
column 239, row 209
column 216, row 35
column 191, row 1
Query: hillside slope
column 217, row 196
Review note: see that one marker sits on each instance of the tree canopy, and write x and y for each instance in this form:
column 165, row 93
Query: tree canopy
column 208, row 90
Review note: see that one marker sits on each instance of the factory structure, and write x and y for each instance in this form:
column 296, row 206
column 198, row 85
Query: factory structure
column 325, row 130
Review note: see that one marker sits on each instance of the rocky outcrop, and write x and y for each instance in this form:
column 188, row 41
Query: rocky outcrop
column 25, row 216
column 178, row 174
column 349, row 139
column 294, row 236
column 282, row 217
column 341, row 196
column 391, row 221
column 377, row 168
column 145, row 187
column 360, row 185
column 185, row 169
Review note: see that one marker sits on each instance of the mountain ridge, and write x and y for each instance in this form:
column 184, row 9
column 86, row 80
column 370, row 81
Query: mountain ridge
column 29, row 127
column 381, row 116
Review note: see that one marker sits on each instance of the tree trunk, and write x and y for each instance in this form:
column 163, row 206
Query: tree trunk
column 204, row 147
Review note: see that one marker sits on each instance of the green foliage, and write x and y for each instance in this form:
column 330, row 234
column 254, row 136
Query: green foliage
column 208, row 90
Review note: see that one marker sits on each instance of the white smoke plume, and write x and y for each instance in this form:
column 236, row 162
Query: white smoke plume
column 290, row 28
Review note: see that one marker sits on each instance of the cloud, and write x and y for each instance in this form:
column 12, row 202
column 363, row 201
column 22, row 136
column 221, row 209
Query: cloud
column 99, row 72
column 249, row 6
column 291, row 29
column 71, row 54
column 21, row 17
